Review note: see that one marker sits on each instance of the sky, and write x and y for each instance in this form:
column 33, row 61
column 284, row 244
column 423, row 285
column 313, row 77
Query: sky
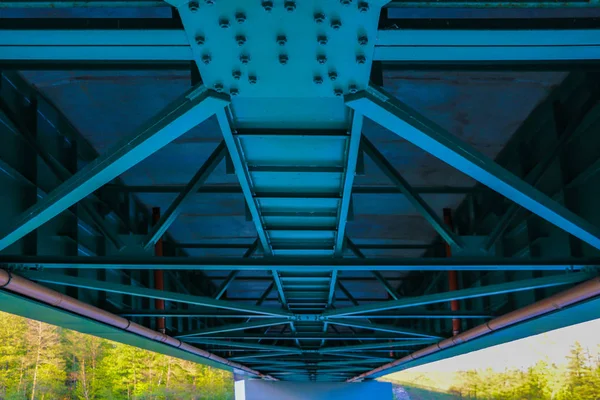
column 552, row 346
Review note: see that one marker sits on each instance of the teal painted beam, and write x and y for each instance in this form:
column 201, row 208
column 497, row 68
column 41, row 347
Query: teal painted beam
column 489, row 290
column 185, row 196
column 262, row 356
column 232, row 275
column 308, row 336
column 109, row 287
column 307, row 264
column 377, row 346
column 413, row 197
column 392, row 114
column 380, row 328
column 351, row 162
column 194, row 107
column 261, row 323
column 225, row 343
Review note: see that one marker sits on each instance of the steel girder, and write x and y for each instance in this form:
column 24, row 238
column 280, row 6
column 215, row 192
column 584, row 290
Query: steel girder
column 405, row 45
column 528, row 284
column 65, row 280
column 299, row 264
column 189, row 110
column 407, row 123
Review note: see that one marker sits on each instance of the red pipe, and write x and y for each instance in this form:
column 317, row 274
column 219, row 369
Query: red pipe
column 159, row 279
column 22, row 286
column 579, row 293
column 452, row 276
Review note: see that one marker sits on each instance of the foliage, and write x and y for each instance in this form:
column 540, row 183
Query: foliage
column 41, row 361
column 578, row 379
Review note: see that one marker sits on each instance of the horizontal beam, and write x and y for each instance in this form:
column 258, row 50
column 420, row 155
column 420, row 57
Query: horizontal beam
column 65, row 280
column 487, row 5
column 397, row 330
column 226, row 343
column 261, row 323
column 405, row 45
column 480, row 291
column 81, row 3
column 443, row 45
column 302, row 336
column 95, row 45
column 298, row 264
column 424, row 314
column 235, row 189
column 189, row 110
column 374, row 346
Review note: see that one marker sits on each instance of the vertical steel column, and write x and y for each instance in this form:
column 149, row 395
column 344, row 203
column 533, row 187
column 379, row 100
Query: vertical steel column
column 159, row 284
column 452, row 276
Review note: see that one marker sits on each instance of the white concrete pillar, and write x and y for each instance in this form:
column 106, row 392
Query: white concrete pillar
column 268, row 390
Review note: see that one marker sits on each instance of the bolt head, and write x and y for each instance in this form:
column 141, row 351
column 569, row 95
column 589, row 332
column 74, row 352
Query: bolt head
column 290, row 6
column 319, row 18
column 206, row 58
column 240, row 17
column 361, row 59
column 218, row 87
column 363, row 6
column 193, row 6
column 322, row 40
column 333, row 75
column 345, row 2
column 234, row 91
column 336, row 24
column 267, row 5
column 200, row 39
column 318, row 80
column 363, row 40
column 224, row 23
column 240, row 40
column 236, row 74
column 321, row 59
column 244, row 59
column 338, row 92
column 352, row 89
column 210, row 2
column 283, row 59
column 252, row 79
column 281, row 40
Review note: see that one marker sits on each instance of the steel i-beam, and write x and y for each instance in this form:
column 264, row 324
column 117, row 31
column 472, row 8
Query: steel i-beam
column 189, row 110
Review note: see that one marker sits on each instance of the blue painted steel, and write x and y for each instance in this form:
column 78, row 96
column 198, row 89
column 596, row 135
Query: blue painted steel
column 192, row 108
column 185, row 196
column 414, row 198
column 351, row 161
column 98, row 45
column 392, row 114
column 261, row 323
column 80, row 3
column 65, row 280
column 406, row 45
column 388, row 346
column 243, row 178
column 308, row 265
column 489, row 290
column 382, row 328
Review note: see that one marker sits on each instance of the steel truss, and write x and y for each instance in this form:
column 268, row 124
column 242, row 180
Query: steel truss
column 344, row 337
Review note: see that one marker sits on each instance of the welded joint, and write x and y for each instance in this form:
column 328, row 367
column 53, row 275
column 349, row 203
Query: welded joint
column 307, row 317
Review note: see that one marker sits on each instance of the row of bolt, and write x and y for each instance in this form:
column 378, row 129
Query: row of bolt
column 283, row 59
column 281, row 40
column 252, row 79
column 289, row 5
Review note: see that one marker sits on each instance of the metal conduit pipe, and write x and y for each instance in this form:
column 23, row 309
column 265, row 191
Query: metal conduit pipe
column 22, row 286
column 584, row 291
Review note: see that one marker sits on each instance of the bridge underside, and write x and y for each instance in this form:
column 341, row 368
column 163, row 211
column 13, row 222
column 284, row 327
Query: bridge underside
column 317, row 191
